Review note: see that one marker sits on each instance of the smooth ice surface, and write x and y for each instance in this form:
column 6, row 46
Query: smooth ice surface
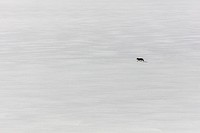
column 69, row 66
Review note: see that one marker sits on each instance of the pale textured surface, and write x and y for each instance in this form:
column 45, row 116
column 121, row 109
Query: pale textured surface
column 69, row 66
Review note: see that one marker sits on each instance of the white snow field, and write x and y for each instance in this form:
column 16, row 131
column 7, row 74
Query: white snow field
column 69, row 66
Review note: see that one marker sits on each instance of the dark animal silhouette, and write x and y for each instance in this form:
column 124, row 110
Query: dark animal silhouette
column 140, row 59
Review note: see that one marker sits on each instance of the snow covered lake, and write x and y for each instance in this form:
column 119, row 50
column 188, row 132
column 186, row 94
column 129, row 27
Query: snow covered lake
column 69, row 66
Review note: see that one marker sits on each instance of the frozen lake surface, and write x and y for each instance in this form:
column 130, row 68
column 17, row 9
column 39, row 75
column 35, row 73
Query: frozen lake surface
column 69, row 66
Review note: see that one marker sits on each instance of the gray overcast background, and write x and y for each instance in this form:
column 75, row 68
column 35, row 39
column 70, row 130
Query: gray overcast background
column 68, row 66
